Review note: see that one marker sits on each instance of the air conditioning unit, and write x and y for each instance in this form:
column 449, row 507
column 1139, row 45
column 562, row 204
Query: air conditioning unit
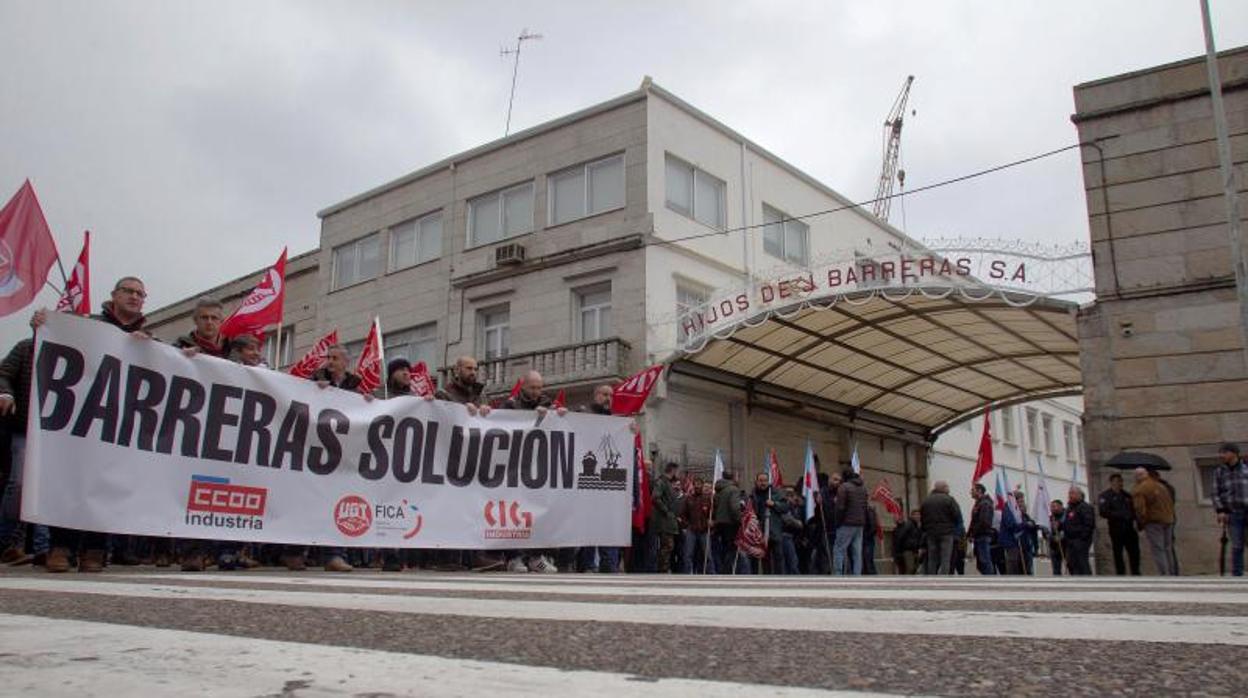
column 510, row 254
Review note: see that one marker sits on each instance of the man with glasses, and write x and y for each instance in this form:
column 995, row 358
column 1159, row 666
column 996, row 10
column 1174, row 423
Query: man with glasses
column 123, row 310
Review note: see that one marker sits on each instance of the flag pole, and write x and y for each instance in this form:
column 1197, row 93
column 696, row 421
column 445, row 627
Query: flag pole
column 277, row 348
column 827, row 548
column 381, row 357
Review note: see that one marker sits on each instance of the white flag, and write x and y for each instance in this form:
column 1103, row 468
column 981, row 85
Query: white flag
column 1040, row 502
column 719, row 468
column 810, row 480
column 853, row 461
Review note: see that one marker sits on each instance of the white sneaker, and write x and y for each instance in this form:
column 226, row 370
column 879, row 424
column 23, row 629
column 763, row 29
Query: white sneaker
column 542, row 565
column 516, row 564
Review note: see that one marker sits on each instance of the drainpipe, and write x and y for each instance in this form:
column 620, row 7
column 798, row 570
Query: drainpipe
column 745, row 221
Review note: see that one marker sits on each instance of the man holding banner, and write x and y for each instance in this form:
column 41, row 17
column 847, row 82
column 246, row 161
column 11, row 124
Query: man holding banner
column 124, row 311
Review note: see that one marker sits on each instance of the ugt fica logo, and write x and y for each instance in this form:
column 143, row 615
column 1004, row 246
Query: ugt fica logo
column 506, row 521
column 353, row 516
column 215, row 503
column 403, row 518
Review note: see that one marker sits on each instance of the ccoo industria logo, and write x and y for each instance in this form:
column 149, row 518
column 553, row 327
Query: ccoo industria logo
column 215, row 503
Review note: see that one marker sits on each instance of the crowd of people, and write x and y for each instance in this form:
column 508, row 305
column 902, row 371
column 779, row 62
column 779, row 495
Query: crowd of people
column 694, row 526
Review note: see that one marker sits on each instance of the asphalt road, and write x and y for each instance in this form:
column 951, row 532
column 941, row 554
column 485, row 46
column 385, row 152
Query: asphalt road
column 136, row 631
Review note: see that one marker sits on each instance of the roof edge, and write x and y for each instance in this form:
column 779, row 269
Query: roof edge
column 593, row 110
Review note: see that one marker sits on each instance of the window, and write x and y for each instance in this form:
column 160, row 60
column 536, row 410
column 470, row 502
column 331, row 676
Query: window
column 1007, row 425
column 1046, row 426
column 288, row 348
column 500, row 215
column 494, row 332
column 357, row 261
column 593, row 312
column 996, row 425
column 787, row 239
column 1079, row 444
column 1033, row 434
column 416, row 344
column 695, row 193
column 587, row 189
column 688, row 298
column 1068, row 440
column 417, row 241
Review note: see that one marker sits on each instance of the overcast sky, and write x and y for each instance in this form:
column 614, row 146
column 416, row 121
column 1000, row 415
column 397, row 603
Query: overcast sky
column 195, row 139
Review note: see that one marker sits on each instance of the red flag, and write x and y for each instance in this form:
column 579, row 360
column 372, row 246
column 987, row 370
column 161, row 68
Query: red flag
column 515, row 389
column 370, row 368
column 315, row 358
column 27, row 250
column 422, row 382
column 773, row 471
column 884, row 495
column 984, row 464
column 631, row 395
column 686, row 485
column 263, row 306
column 560, row 400
column 750, row 536
column 77, row 295
column 641, row 487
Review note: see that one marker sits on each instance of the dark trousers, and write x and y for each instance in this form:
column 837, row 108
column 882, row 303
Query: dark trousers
column 1123, row 538
column 667, row 543
column 74, row 539
column 1077, row 555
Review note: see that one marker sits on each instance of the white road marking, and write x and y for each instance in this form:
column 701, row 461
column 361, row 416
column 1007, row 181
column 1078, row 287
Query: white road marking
column 970, row 593
column 54, row 657
column 1049, row 626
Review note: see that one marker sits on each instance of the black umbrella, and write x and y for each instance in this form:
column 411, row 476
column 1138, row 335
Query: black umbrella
column 1130, row 460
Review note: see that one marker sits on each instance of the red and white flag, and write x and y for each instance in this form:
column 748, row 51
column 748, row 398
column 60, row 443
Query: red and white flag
column 630, row 396
column 371, row 367
column 983, row 465
column 263, row 306
column 77, row 295
column 642, row 503
column 315, row 358
column 750, row 537
column 422, row 382
column 773, row 470
column 884, row 495
column 27, row 250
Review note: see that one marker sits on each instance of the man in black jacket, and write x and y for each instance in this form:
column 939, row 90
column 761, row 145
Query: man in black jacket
column 851, row 516
column 981, row 530
column 15, row 376
column 939, row 516
column 1078, row 528
column 907, row 541
column 1118, row 511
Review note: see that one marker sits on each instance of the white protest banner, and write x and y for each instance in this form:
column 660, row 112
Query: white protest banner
column 127, row 435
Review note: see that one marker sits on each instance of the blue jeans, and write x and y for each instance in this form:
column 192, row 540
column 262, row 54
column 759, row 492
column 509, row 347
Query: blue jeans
column 11, row 504
column 848, row 538
column 694, row 558
column 789, row 549
column 983, row 554
column 1235, row 527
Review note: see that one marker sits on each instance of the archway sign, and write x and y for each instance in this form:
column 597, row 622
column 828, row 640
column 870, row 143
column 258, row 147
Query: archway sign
column 917, row 339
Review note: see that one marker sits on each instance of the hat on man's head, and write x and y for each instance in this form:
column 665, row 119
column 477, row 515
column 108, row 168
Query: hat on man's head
column 1229, row 448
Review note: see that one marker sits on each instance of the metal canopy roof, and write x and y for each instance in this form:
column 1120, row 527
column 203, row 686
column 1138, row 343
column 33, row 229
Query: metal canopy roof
column 924, row 361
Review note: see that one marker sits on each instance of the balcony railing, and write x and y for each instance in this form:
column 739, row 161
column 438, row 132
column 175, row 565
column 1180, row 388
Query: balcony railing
column 564, row 365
